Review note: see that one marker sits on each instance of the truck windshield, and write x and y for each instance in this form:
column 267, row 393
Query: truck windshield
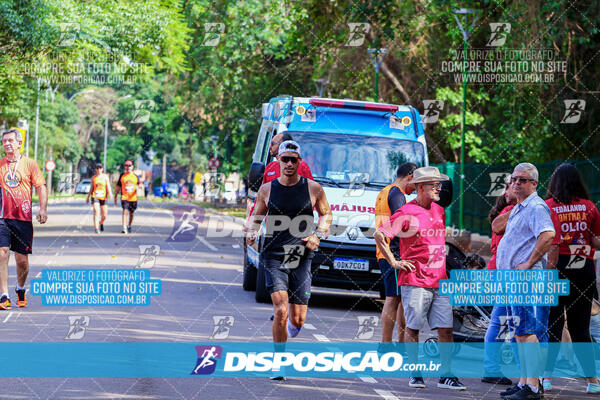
column 339, row 159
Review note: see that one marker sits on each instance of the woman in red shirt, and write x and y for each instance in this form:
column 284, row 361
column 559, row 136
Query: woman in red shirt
column 577, row 221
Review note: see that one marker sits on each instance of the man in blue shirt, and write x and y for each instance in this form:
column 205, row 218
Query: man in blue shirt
column 528, row 236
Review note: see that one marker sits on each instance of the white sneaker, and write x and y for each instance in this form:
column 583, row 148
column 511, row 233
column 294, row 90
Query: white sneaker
column 292, row 330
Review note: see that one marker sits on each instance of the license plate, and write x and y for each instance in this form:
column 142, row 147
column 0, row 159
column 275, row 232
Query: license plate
column 352, row 264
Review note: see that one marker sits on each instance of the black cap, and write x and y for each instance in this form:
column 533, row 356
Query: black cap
column 99, row 165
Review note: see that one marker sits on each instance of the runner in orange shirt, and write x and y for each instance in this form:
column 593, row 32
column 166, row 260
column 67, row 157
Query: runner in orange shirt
column 100, row 190
column 18, row 175
column 127, row 185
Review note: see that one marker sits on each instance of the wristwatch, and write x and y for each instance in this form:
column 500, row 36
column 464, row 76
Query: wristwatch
column 319, row 234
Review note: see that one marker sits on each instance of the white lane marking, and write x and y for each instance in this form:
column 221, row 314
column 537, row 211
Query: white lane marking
column 310, row 327
column 235, row 246
column 205, row 242
column 48, row 262
column 8, row 316
column 321, row 338
column 56, row 254
column 387, row 395
column 367, row 379
column 39, row 274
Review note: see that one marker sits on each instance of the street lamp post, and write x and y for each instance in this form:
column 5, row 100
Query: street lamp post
column 376, row 56
column 466, row 31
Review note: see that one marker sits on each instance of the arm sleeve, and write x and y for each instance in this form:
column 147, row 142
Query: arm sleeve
column 556, row 223
column 395, row 199
column 269, row 168
column 394, row 225
column 541, row 220
column 37, row 178
column 595, row 225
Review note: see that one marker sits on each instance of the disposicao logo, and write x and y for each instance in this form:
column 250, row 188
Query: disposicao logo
column 207, row 359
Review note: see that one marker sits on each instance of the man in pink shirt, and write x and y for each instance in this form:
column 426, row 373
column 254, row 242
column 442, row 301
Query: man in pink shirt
column 421, row 230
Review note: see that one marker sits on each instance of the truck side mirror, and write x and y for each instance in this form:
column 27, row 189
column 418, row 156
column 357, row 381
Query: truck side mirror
column 445, row 194
column 255, row 176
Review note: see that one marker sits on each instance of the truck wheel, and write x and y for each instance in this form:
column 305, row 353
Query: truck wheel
column 249, row 283
column 262, row 295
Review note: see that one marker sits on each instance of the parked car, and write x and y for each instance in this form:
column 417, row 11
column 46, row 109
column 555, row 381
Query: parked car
column 83, row 186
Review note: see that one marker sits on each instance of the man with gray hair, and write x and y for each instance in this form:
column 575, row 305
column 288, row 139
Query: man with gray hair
column 18, row 176
column 527, row 238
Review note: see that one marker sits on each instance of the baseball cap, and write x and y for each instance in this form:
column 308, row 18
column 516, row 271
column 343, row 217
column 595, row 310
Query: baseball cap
column 129, row 162
column 99, row 165
column 289, row 146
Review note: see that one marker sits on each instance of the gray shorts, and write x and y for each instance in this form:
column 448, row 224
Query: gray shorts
column 422, row 304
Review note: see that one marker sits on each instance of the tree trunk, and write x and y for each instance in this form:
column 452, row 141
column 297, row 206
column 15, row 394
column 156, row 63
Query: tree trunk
column 164, row 168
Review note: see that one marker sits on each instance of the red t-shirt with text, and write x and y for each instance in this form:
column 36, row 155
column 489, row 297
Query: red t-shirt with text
column 496, row 240
column 575, row 223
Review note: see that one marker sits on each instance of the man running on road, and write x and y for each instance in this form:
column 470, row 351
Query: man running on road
column 100, row 190
column 127, row 185
column 18, row 175
column 289, row 240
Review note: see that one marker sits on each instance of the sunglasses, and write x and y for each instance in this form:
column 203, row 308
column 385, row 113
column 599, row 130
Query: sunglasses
column 273, row 143
column 129, row 165
column 437, row 185
column 519, row 179
column 286, row 159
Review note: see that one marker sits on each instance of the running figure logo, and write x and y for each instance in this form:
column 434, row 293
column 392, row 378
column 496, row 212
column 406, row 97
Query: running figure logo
column 573, row 110
column 508, row 326
column 67, row 183
column 498, row 182
column 212, row 35
column 68, row 33
column 223, row 324
column 293, row 255
column 366, row 327
column 432, row 110
column 142, row 111
column 207, row 359
column 437, row 256
column 77, row 326
column 358, row 32
column 148, row 255
column 500, row 31
column 576, row 262
column 186, row 221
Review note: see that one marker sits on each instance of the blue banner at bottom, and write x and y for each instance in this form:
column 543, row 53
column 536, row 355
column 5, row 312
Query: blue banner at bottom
column 262, row 359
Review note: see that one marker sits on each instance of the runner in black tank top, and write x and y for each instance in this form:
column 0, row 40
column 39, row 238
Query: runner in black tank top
column 290, row 239
column 294, row 203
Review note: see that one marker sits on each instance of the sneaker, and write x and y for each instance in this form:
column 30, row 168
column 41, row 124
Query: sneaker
column 124, row 230
column 593, row 388
column 547, row 385
column 451, row 383
column 4, row 303
column 101, row 227
column 416, row 382
column 21, row 299
column 501, row 380
column 292, row 330
column 278, row 375
column 96, row 231
column 525, row 393
column 129, row 229
column 510, row 391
